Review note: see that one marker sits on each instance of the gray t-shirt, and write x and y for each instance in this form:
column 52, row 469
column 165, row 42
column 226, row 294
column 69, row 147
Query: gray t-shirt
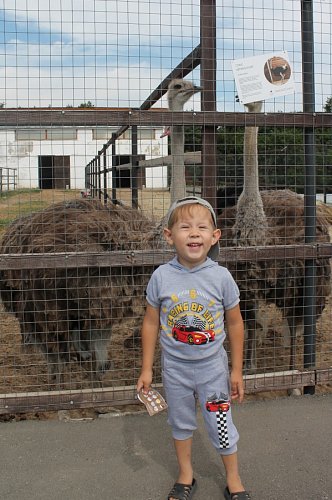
column 192, row 304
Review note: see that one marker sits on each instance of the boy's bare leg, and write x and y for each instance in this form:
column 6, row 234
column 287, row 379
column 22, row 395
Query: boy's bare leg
column 233, row 479
column 183, row 453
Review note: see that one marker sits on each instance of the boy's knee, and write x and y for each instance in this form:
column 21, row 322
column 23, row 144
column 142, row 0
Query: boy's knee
column 228, row 451
column 181, row 435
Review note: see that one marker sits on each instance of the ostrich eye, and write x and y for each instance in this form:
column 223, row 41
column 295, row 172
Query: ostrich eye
column 177, row 86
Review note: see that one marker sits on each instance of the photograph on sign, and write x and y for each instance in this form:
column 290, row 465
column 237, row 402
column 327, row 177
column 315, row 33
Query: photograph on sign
column 262, row 77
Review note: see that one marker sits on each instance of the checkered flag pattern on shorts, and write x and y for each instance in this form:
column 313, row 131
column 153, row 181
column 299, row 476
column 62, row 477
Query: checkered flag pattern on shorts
column 222, row 429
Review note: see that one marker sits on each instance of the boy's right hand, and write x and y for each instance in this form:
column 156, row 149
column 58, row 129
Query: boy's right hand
column 145, row 380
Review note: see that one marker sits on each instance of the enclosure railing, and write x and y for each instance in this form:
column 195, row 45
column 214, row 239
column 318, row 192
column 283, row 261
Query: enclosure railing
column 8, row 179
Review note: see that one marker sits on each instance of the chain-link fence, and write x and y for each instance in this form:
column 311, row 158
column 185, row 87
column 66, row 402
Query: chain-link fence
column 110, row 111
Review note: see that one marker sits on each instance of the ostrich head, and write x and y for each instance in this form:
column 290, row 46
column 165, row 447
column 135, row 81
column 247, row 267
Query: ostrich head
column 179, row 92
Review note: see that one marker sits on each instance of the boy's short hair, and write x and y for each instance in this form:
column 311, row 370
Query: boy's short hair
column 192, row 200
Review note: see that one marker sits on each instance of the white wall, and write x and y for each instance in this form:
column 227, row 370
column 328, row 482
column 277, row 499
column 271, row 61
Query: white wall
column 320, row 197
column 156, row 177
column 23, row 155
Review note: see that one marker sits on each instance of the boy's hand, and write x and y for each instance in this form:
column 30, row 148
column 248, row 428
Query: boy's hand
column 144, row 381
column 237, row 386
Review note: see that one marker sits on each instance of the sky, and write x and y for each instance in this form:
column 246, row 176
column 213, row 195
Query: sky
column 114, row 53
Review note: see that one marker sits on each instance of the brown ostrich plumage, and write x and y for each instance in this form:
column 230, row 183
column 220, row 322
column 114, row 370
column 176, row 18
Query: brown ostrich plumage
column 68, row 312
column 280, row 283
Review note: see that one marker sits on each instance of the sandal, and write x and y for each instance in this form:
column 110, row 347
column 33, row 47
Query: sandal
column 183, row 491
column 239, row 495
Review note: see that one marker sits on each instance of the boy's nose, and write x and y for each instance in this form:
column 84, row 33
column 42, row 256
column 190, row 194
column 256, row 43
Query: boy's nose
column 194, row 232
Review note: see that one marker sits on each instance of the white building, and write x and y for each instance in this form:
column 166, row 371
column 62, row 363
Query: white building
column 55, row 157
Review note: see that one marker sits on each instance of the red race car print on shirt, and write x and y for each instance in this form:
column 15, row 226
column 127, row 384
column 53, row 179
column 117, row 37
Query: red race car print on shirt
column 192, row 336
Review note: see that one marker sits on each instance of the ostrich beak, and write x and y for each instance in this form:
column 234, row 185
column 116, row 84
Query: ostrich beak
column 166, row 132
column 193, row 90
column 197, row 88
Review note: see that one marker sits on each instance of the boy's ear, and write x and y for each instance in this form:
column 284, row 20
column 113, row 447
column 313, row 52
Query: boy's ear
column 168, row 236
column 217, row 234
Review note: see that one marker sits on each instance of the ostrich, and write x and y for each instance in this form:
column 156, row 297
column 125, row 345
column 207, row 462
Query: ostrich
column 271, row 218
column 69, row 312
column 179, row 91
column 280, row 71
column 251, row 227
column 248, row 228
column 277, row 70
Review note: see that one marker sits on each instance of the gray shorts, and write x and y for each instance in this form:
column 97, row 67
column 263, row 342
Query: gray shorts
column 205, row 380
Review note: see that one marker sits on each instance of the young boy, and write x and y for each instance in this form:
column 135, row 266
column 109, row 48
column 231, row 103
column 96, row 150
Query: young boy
column 188, row 300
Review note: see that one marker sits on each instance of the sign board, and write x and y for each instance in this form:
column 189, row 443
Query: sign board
column 262, row 77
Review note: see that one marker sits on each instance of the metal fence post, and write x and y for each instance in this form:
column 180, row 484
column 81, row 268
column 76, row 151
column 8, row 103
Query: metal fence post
column 105, row 173
column 208, row 99
column 134, row 167
column 113, row 168
column 308, row 71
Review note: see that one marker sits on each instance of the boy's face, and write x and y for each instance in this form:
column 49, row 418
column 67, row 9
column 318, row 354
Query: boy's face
column 192, row 234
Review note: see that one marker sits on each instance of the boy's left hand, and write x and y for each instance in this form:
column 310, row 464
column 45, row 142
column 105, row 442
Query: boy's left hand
column 237, row 386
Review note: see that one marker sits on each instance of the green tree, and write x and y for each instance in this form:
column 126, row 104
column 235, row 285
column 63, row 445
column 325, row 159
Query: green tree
column 328, row 105
column 86, row 105
column 280, row 157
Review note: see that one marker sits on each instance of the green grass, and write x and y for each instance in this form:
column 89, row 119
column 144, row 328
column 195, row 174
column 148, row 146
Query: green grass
column 5, row 222
column 26, row 207
column 19, row 207
column 14, row 204
column 20, row 210
column 4, row 195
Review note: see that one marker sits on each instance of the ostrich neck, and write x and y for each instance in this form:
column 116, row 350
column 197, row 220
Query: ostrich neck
column 250, row 163
column 251, row 227
column 178, row 179
column 175, row 106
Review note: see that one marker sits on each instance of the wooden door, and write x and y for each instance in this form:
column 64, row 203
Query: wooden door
column 61, row 172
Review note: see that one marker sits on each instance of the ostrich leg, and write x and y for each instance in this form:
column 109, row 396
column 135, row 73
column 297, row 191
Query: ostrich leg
column 291, row 320
column 248, row 310
column 292, row 331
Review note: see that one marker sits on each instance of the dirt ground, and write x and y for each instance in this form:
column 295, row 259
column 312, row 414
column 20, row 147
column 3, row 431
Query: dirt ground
column 26, row 370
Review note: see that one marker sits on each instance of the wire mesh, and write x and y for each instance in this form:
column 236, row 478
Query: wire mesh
column 91, row 145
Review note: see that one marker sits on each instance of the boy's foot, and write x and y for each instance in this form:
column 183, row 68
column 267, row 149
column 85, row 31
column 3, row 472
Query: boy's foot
column 239, row 495
column 182, row 491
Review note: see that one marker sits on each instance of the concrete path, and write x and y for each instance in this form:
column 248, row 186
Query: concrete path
column 285, row 452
